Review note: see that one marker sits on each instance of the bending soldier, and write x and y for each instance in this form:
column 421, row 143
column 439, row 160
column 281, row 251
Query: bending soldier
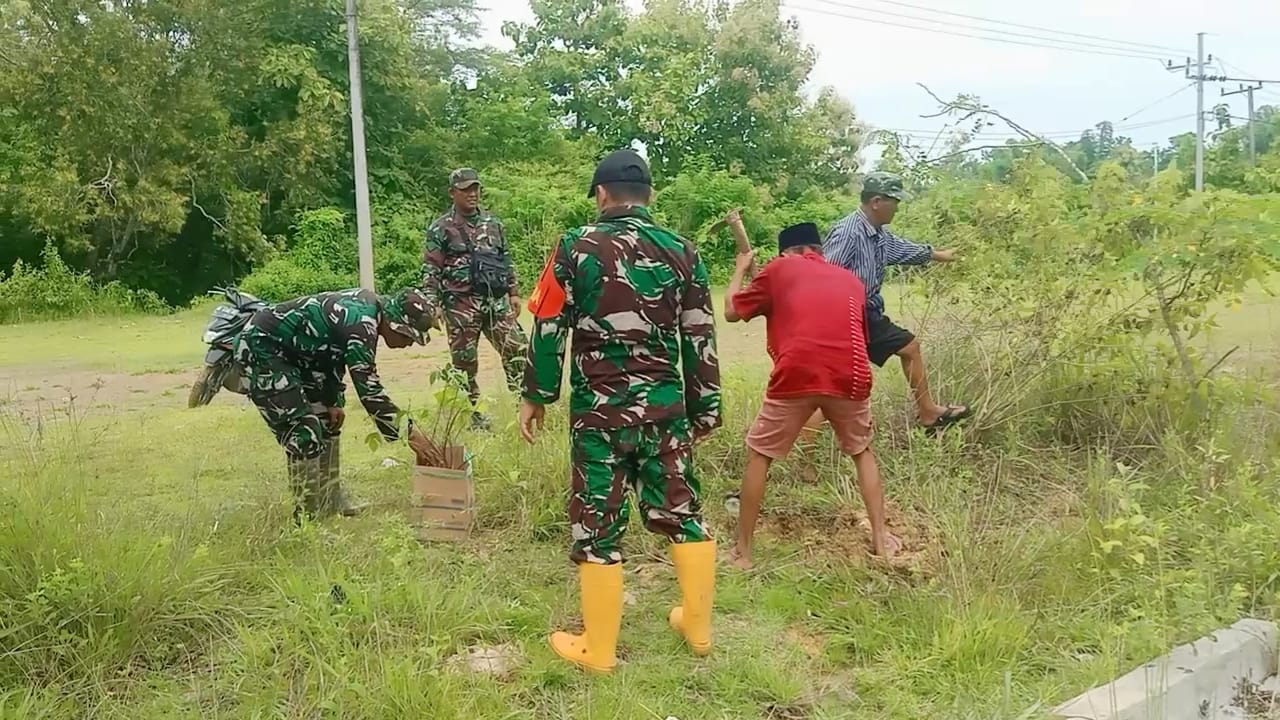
column 645, row 387
column 294, row 356
column 467, row 271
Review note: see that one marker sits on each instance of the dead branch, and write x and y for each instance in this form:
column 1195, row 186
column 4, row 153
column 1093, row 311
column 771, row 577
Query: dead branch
column 948, row 156
column 950, row 107
column 196, row 204
column 105, row 183
column 1221, row 360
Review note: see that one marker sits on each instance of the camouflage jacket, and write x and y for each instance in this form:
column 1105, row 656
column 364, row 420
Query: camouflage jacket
column 446, row 257
column 638, row 300
column 327, row 334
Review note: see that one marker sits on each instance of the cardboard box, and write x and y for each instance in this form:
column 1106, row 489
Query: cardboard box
column 442, row 506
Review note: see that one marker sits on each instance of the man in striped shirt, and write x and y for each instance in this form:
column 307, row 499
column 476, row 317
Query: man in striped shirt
column 861, row 244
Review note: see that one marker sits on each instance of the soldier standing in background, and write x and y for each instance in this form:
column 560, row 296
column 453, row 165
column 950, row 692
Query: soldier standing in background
column 467, row 272
column 645, row 387
column 294, row 356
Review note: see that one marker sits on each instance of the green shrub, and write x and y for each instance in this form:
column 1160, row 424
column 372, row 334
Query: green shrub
column 322, row 258
column 281, row 279
column 54, row 291
column 399, row 229
column 537, row 203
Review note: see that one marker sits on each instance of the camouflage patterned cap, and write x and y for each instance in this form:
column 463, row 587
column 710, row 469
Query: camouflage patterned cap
column 886, row 184
column 408, row 313
column 463, row 178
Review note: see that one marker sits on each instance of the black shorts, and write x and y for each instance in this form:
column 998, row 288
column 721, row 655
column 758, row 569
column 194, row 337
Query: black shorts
column 886, row 339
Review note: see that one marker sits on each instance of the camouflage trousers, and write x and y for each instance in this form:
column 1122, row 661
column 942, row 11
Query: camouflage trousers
column 654, row 461
column 466, row 317
column 290, row 399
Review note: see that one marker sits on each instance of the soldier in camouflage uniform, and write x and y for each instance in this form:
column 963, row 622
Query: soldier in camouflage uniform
column 645, row 387
column 294, row 356
column 467, row 270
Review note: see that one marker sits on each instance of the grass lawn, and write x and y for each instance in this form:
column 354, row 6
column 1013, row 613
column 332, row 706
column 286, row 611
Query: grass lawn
column 148, row 568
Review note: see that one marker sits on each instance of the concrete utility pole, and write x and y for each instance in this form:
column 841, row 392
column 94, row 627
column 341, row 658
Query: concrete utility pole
column 364, row 227
column 1248, row 91
column 1199, row 111
column 1199, row 77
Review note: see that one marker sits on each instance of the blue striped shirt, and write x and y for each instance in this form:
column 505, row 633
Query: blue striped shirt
column 856, row 245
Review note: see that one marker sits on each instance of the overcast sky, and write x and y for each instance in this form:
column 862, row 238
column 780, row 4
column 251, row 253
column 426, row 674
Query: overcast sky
column 877, row 65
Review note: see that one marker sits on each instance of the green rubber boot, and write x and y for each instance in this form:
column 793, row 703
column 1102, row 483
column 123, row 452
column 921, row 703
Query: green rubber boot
column 304, row 484
column 333, row 498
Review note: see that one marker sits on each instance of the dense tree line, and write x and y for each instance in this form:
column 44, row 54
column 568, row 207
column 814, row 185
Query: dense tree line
column 170, row 145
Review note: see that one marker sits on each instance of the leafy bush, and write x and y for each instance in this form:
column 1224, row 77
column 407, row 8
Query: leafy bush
column 323, row 257
column 537, row 203
column 53, row 291
column 281, row 279
column 324, row 254
column 399, row 228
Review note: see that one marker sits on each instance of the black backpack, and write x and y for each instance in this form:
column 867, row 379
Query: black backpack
column 490, row 269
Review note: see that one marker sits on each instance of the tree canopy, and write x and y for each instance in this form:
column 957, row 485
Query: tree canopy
column 170, row 145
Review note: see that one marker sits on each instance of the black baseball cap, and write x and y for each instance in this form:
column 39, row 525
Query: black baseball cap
column 620, row 166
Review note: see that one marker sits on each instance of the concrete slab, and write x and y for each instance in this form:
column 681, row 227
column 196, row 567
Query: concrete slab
column 1196, row 681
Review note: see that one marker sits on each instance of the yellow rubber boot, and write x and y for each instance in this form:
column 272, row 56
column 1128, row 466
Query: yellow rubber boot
column 596, row 648
column 696, row 571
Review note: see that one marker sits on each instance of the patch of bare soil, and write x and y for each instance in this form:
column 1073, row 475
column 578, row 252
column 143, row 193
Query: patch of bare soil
column 811, row 644
column 42, row 391
column 498, row 661
column 846, row 534
column 37, row 392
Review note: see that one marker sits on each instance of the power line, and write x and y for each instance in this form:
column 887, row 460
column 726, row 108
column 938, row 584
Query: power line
column 953, row 24
column 1055, row 134
column 1253, row 78
column 1029, row 27
column 832, row 13
column 1239, row 69
column 1152, row 104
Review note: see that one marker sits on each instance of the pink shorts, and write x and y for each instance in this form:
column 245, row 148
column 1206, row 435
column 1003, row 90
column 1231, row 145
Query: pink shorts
column 781, row 419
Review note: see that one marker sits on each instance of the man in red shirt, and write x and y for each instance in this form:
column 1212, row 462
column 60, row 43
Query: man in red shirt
column 817, row 337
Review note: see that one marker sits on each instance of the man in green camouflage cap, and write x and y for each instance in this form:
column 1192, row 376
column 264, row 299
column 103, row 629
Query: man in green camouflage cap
column 863, row 244
column 467, row 272
column 294, row 357
column 645, row 386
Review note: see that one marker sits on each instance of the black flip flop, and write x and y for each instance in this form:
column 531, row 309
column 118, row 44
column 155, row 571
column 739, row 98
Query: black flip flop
column 950, row 416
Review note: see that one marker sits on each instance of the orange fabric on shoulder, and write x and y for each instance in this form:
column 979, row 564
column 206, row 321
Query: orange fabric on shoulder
column 548, row 296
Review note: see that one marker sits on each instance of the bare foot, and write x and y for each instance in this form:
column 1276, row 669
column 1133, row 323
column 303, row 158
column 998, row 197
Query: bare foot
column 888, row 547
column 740, row 561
